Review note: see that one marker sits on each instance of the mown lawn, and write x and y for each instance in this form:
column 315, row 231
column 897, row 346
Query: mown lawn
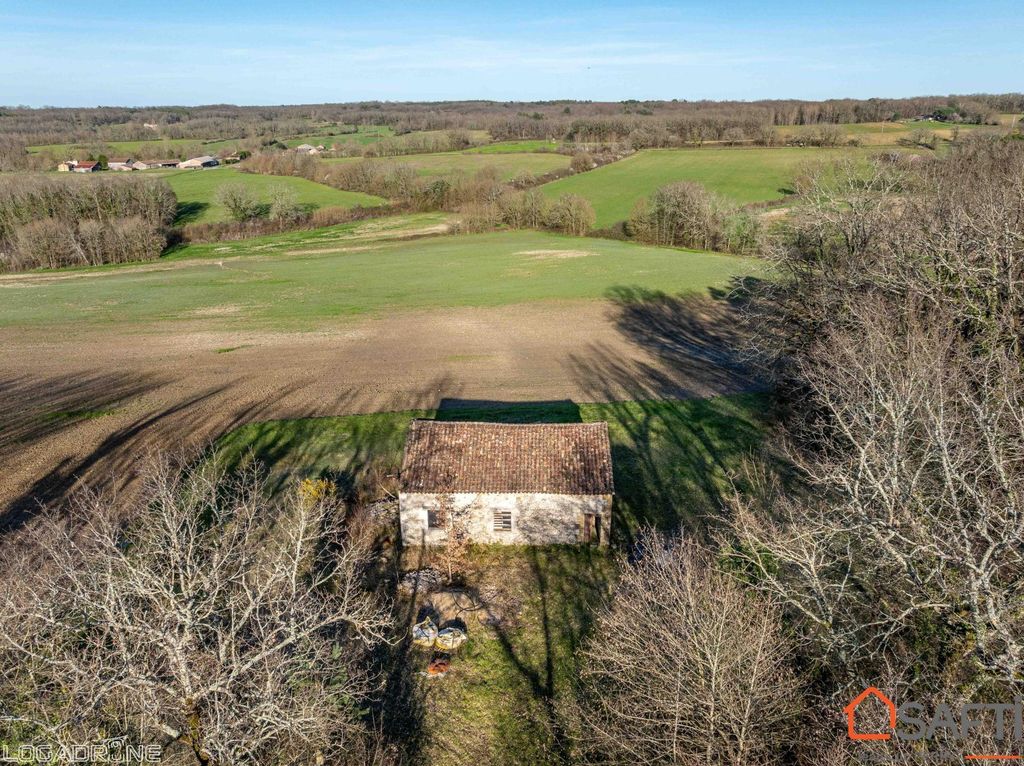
column 197, row 192
column 507, row 697
column 508, row 164
column 313, row 282
column 740, row 174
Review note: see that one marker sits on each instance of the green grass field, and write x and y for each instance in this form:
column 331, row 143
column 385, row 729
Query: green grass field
column 197, row 191
column 671, row 457
column 514, row 147
column 739, row 174
column 312, row 282
column 509, row 683
column 884, row 133
column 508, row 164
column 365, row 134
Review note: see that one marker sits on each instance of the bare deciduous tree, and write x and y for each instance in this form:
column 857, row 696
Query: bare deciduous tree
column 571, row 214
column 686, row 667
column 900, row 313
column 230, row 629
column 681, row 214
column 240, row 201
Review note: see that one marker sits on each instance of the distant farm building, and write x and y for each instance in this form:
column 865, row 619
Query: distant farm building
column 121, row 163
column 308, row 149
column 534, row 484
column 159, row 164
column 67, row 166
column 205, row 161
column 86, row 167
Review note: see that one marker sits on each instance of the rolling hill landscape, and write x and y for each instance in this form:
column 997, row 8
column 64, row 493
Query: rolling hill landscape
column 470, row 407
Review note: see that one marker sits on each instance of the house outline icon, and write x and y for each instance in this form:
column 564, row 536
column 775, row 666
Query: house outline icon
column 851, row 709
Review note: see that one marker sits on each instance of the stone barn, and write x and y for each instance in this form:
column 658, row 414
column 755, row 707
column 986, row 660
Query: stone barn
column 533, row 484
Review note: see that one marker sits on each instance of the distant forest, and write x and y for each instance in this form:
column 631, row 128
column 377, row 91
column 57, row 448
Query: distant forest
column 564, row 120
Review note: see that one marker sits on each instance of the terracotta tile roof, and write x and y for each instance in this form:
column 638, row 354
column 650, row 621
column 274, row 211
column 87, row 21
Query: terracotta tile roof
column 557, row 458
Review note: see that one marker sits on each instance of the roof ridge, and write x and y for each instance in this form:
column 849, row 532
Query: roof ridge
column 489, row 457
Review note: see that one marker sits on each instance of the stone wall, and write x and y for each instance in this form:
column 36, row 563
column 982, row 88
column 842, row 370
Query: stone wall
column 537, row 519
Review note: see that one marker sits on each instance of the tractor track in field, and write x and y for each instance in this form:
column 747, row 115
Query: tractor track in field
column 85, row 407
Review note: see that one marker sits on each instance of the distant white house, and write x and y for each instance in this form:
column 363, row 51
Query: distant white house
column 121, row 163
column 67, row 166
column 306, row 149
column 206, row 161
column 86, row 167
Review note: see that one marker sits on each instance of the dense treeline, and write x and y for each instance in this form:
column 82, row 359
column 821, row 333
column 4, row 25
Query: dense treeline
column 891, row 551
column 54, row 221
column 277, row 661
column 651, row 121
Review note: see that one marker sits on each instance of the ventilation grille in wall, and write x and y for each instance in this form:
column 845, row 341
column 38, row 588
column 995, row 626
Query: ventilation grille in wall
column 503, row 521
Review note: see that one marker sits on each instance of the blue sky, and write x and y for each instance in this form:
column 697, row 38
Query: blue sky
column 71, row 53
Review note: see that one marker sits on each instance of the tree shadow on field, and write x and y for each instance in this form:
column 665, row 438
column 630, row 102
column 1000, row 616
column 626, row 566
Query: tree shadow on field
column 33, row 408
column 494, row 411
column 114, row 465
column 190, row 212
column 361, row 454
column 558, row 588
column 683, row 416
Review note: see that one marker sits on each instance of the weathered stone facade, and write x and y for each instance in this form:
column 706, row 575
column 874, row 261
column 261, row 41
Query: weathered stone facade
column 535, row 518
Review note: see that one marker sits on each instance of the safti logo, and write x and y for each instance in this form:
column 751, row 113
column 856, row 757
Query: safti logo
column 947, row 724
column 851, row 715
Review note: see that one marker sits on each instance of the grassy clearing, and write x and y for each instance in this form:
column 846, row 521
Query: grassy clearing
column 197, row 190
column 508, row 165
column 671, row 458
column 364, row 135
column 514, row 147
column 742, row 175
column 312, row 284
column 504, row 699
column 885, row 133
column 356, row 233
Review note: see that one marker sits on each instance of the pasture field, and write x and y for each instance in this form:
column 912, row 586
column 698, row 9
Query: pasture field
column 314, row 282
column 506, row 147
column 672, row 464
column 886, row 133
column 739, row 174
column 365, row 134
column 197, row 191
column 508, row 164
column 692, row 441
